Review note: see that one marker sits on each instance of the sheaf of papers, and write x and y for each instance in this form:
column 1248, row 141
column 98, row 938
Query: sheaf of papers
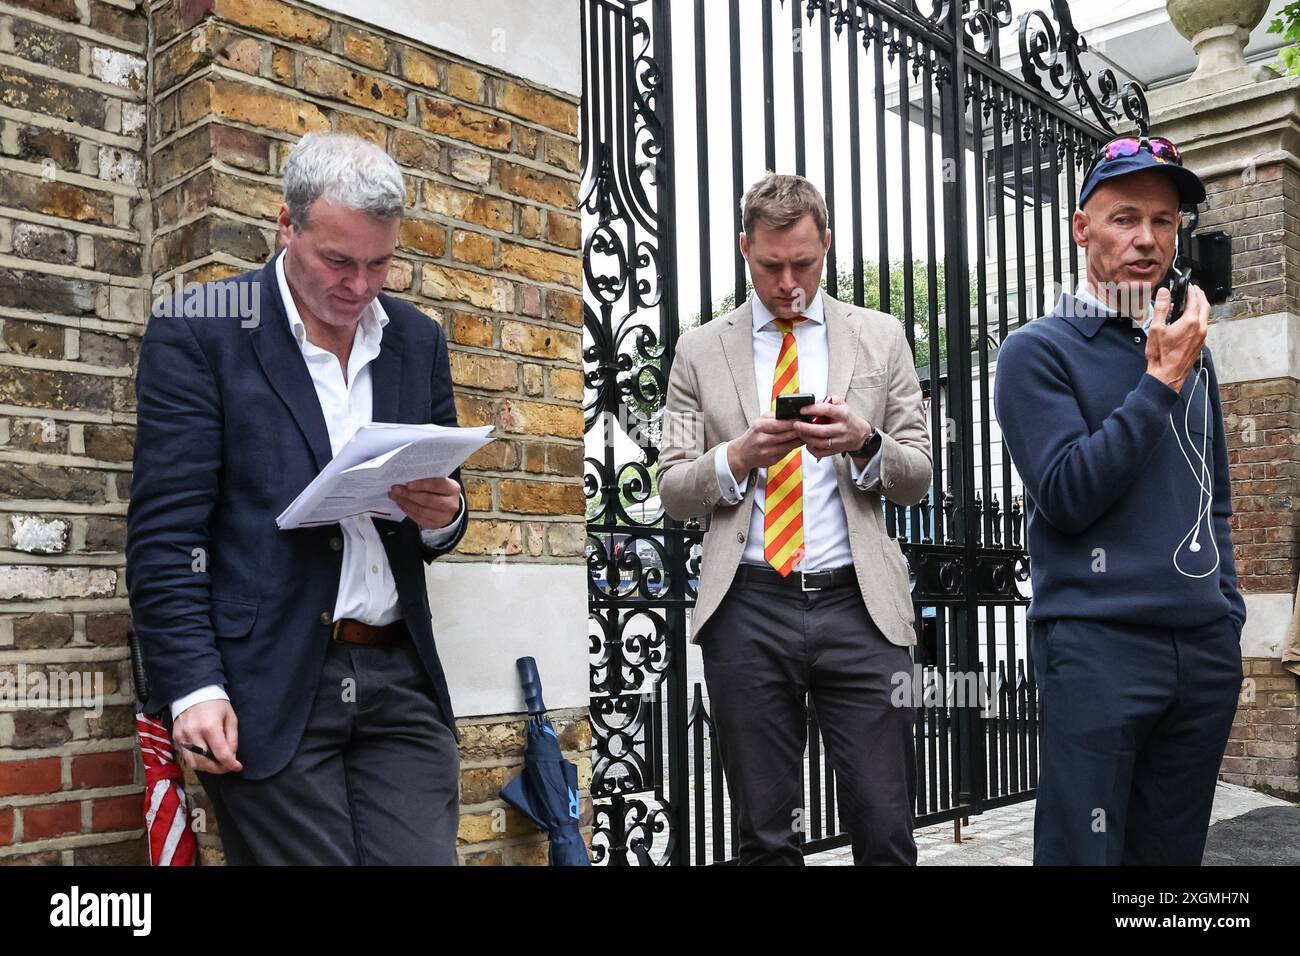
column 378, row 456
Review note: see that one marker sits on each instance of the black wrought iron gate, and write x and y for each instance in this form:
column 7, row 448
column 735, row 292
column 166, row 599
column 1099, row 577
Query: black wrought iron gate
column 950, row 182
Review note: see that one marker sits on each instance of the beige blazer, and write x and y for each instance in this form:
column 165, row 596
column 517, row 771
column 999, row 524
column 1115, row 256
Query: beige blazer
column 712, row 398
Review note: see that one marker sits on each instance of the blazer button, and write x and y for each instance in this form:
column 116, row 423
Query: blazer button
column 324, row 617
column 740, row 536
column 336, row 543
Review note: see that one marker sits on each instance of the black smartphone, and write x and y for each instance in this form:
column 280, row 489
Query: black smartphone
column 1179, row 280
column 787, row 406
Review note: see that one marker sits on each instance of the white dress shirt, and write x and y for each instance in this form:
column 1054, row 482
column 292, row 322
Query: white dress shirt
column 367, row 591
column 825, row 528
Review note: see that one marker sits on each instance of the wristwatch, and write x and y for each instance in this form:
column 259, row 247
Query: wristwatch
column 869, row 447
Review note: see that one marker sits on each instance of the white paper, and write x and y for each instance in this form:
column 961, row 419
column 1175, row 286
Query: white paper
column 378, row 456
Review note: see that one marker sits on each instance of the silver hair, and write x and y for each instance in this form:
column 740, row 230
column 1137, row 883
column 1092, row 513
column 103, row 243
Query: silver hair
column 345, row 169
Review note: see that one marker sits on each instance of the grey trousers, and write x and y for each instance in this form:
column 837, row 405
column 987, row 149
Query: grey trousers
column 375, row 780
column 767, row 646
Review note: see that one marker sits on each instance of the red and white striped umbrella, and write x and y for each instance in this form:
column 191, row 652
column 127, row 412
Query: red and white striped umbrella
column 166, row 811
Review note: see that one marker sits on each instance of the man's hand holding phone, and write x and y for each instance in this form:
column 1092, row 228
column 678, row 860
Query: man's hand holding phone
column 763, row 444
column 1174, row 347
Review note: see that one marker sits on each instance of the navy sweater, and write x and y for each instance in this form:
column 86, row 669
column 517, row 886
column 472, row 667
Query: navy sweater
column 1109, row 496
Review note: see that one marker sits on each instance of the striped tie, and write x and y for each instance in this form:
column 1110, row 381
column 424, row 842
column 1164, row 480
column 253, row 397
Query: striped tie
column 783, row 511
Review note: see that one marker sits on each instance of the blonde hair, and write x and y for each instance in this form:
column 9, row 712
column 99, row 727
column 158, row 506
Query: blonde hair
column 780, row 200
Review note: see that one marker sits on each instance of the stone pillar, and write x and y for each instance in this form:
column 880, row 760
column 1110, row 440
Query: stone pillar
column 1239, row 129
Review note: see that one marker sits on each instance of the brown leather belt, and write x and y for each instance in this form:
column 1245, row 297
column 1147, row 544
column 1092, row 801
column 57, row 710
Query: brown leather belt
column 347, row 631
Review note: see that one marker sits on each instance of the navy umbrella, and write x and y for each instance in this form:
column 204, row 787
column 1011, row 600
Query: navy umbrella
column 547, row 790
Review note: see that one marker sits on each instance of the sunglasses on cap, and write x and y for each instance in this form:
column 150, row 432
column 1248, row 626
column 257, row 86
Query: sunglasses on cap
column 1161, row 150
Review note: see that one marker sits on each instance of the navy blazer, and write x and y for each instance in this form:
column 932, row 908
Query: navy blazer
column 229, row 431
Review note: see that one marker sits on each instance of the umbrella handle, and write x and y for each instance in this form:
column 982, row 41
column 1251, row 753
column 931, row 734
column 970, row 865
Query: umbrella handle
column 138, row 676
column 532, row 684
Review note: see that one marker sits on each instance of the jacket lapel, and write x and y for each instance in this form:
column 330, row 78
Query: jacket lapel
column 738, row 344
column 386, row 375
column 285, row 368
column 841, row 345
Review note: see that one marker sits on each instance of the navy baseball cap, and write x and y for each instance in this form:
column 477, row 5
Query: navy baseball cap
column 1151, row 153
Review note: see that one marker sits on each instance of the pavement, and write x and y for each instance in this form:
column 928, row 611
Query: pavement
column 1246, row 828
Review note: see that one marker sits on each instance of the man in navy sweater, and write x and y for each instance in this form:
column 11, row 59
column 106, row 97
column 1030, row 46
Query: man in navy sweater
column 1111, row 414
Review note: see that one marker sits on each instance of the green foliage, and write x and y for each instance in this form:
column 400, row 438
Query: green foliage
column 1287, row 23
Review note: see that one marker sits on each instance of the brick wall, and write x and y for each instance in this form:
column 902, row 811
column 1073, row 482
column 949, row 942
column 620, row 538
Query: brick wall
column 1262, row 749
column 99, row 214
column 1260, row 208
column 74, row 221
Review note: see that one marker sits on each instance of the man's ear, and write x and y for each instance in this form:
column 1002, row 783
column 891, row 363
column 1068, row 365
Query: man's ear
column 826, row 246
column 744, row 246
column 1079, row 228
column 284, row 225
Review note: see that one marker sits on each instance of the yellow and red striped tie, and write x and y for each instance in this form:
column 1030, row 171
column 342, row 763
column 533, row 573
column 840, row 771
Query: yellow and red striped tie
column 783, row 508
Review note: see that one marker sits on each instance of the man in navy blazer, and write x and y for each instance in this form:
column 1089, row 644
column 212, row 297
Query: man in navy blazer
column 298, row 667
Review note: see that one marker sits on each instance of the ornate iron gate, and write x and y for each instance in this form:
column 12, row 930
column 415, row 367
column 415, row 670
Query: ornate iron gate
column 974, row 174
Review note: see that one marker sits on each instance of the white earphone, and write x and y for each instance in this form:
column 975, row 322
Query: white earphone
column 1203, row 473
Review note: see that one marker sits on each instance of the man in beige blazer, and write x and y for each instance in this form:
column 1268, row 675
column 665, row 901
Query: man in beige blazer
column 801, row 590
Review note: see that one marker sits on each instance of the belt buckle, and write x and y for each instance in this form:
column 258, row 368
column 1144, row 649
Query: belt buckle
column 803, row 582
column 334, row 631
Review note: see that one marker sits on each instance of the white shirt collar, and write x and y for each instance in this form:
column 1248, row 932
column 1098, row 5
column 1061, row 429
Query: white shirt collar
column 1084, row 295
column 763, row 315
column 373, row 318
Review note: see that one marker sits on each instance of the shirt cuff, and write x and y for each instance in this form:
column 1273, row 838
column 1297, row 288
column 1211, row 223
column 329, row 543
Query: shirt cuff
column 211, row 692
column 440, row 536
column 731, row 490
column 868, row 475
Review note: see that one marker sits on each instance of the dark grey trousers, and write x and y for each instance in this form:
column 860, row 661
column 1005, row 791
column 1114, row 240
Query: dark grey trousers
column 767, row 646
column 1133, row 722
column 375, row 780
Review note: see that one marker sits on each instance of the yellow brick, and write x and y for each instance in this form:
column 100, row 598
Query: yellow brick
column 400, row 273
column 562, row 153
column 248, row 197
column 485, row 827
column 537, row 340
column 327, row 78
column 541, row 265
column 283, row 64
column 464, row 83
column 537, row 107
column 471, row 207
column 538, row 418
column 537, row 186
column 419, row 68
column 530, row 222
column 372, row 130
column 472, row 411
column 478, row 494
column 365, row 48
column 473, row 330
column 472, row 247
column 491, row 537
column 484, row 371
column 424, row 235
column 243, row 54
column 259, row 107
column 277, row 19
column 460, row 122
column 566, row 383
column 457, row 285
column 563, row 230
column 541, row 497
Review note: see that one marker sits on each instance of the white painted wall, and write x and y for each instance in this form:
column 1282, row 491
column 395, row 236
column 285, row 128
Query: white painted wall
column 486, row 615
column 536, row 40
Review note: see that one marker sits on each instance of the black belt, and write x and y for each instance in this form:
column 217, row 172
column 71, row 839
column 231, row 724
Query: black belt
column 799, row 580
